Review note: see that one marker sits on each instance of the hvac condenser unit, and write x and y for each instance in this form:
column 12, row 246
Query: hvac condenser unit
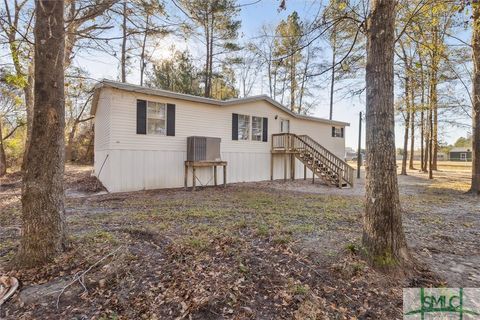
column 203, row 149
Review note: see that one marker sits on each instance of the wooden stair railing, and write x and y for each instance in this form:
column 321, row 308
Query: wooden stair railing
column 317, row 158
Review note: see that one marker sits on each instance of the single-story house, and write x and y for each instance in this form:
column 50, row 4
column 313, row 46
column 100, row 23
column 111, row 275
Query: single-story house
column 460, row 154
column 141, row 136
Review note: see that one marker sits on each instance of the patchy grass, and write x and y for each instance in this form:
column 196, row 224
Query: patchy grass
column 245, row 252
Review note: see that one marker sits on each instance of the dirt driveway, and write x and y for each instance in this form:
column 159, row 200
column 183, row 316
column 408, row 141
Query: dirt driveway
column 269, row 250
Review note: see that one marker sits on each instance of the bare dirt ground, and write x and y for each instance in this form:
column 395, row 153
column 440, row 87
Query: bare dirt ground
column 269, row 250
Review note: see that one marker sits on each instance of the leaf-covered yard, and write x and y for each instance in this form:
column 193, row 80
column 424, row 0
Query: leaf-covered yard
column 269, row 250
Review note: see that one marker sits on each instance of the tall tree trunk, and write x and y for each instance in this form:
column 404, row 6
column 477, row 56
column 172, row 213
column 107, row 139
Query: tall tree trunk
column 70, row 141
column 123, row 59
column 210, row 65
column 269, row 75
column 412, row 130
column 422, row 133
column 434, row 100
column 207, row 58
column 407, row 126
column 475, row 186
column 29, row 101
column 142, row 53
column 422, row 115
column 43, row 230
column 304, row 81
column 332, row 83
column 292, row 82
column 430, row 142
column 383, row 236
column 427, row 142
column 3, row 156
column 435, row 134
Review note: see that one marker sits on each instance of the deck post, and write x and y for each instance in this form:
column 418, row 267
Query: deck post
column 340, row 175
column 285, row 160
column 304, row 172
column 313, row 171
column 271, row 166
column 292, row 166
column 225, row 176
column 215, row 175
column 185, row 182
column 194, row 177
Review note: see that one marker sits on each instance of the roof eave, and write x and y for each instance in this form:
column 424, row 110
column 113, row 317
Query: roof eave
column 163, row 93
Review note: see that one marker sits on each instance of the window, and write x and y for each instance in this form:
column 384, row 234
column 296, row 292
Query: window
column 243, row 127
column 257, row 128
column 284, row 126
column 156, row 118
column 463, row 156
column 337, row 132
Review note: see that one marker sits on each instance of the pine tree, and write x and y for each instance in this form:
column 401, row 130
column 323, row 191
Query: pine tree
column 383, row 236
column 43, row 231
column 217, row 24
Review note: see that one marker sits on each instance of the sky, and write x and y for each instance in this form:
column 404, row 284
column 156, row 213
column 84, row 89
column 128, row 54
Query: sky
column 253, row 15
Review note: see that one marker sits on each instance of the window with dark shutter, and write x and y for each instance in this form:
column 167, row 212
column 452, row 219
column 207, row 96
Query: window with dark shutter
column 265, row 130
column 333, row 132
column 170, row 119
column 234, row 126
column 141, row 117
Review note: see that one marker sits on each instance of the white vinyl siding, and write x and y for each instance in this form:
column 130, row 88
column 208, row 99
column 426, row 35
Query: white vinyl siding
column 137, row 162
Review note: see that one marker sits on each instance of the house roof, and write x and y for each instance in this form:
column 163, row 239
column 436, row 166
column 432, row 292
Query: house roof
column 188, row 97
column 461, row 149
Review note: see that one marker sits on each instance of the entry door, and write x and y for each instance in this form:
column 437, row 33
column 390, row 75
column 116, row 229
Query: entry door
column 284, row 126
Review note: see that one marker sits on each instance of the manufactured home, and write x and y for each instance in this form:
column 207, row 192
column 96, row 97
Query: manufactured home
column 141, row 137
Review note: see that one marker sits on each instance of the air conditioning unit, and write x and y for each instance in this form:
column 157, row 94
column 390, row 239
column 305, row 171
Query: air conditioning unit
column 203, row 149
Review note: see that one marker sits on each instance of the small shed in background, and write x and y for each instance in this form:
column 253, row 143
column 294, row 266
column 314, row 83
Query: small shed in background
column 460, row 154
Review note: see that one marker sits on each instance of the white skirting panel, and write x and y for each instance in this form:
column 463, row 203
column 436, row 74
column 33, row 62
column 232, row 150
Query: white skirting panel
column 132, row 170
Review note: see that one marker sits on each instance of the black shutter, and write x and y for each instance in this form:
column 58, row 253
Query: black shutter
column 265, row 130
column 141, row 117
column 341, row 132
column 170, row 119
column 333, row 131
column 234, row 126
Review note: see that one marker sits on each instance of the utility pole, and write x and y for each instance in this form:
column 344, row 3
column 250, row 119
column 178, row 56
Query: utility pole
column 359, row 153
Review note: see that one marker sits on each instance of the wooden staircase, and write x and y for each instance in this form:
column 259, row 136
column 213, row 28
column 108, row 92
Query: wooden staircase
column 323, row 163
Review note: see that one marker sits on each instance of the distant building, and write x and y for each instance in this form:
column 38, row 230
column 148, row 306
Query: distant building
column 460, row 154
column 350, row 154
column 417, row 156
column 442, row 156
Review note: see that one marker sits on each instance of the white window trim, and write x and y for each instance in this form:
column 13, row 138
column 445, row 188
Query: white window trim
column 165, row 115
